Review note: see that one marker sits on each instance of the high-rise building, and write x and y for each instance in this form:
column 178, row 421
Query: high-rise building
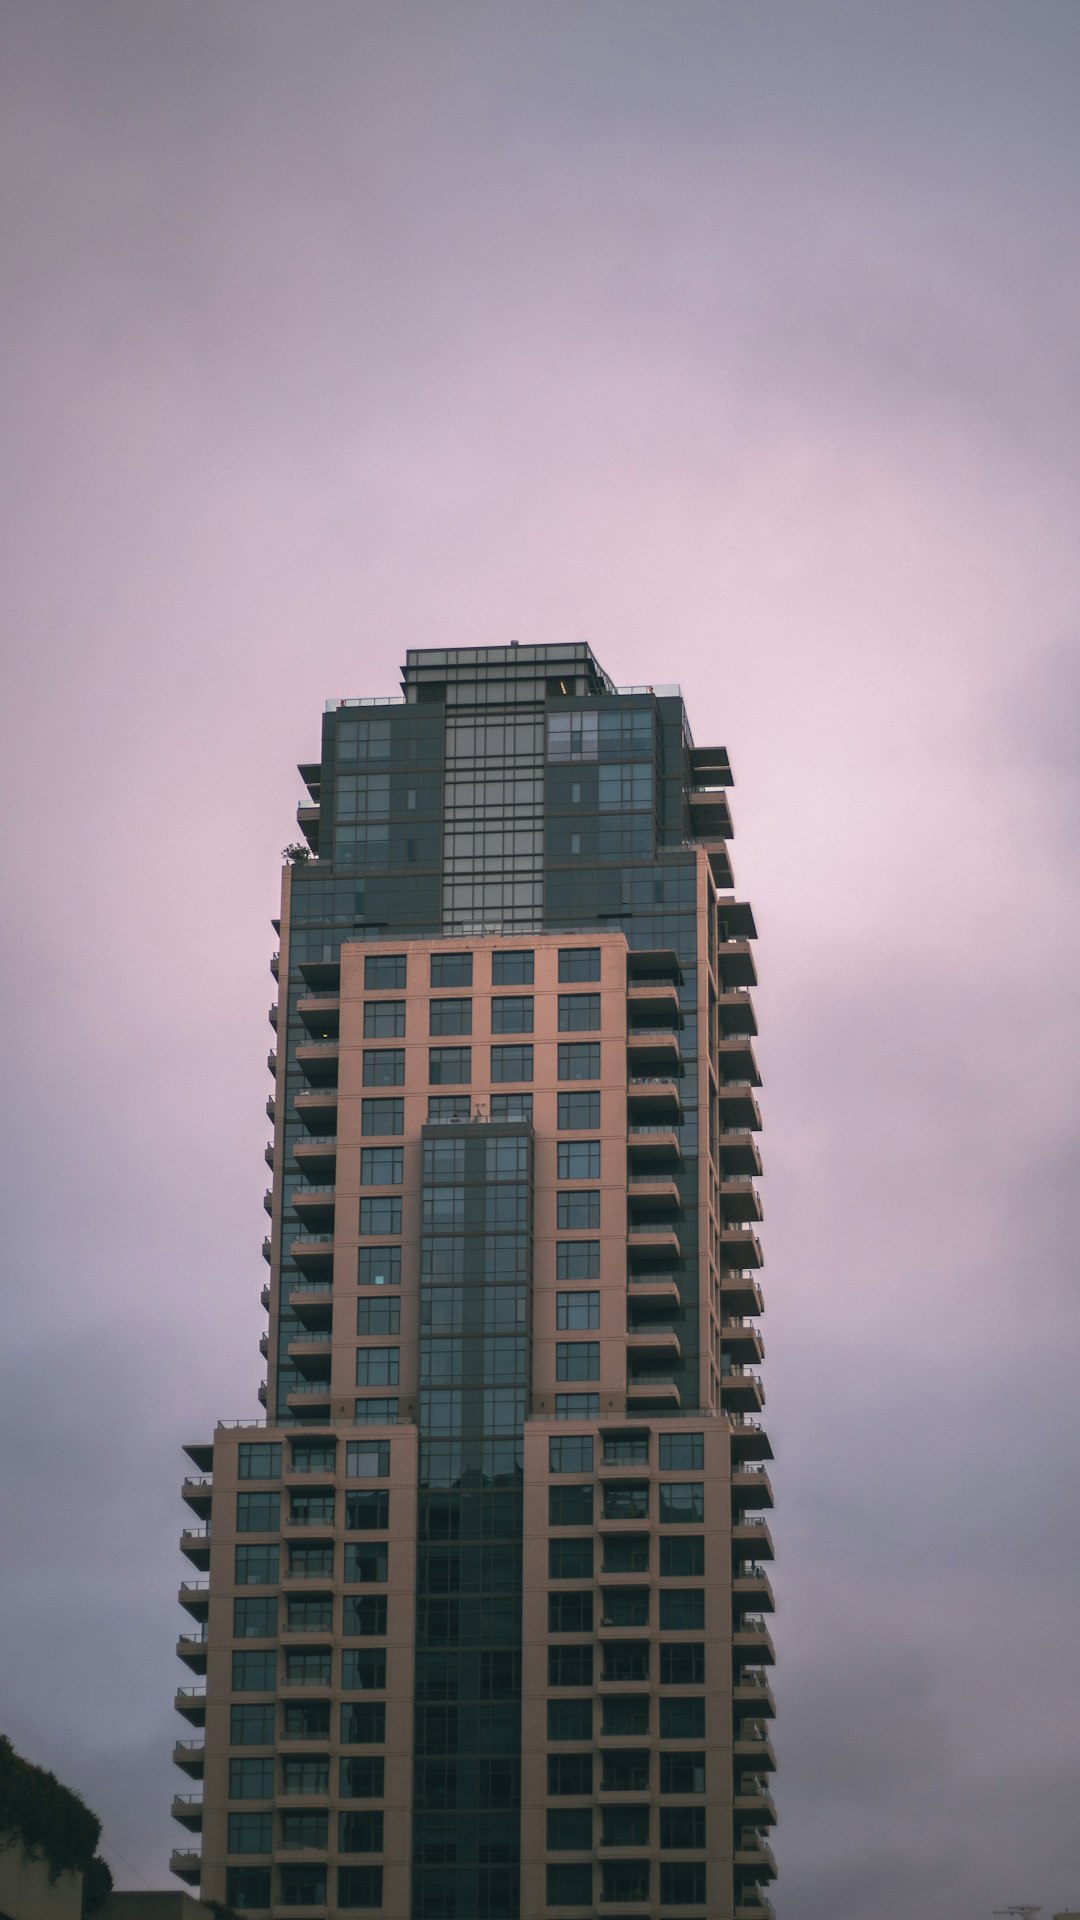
column 480, row 1603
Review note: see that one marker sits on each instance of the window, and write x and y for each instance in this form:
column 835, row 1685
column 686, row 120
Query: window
column 626, row 1449
column 570, row 1612
column 362, row 1779
column 382, row 1116
column 377, row 1366
column 577, row 1312
column 570, row 1666
column 307, row 1720
column 312, row 1509
column 578, row 1208
column 682, row 1719
column 569, row 1773
column 569, row 1885
column 379, row 1267
column 512, row 968
column 682, row 1556
column 310, row 1615
column 626, row 1553
column 625, row 1771
column 579, row 1110
column 381, row 1166
column 569, row 1829
column 366, row 1563
column 682, row 1883
column 252, row 1779
column 682, row 1609
column 360, row 1832
column 625, row 1607
column 259, row 1460
column 681, row 1450
column 306, row 1775
column 511, row 1063
column 367, row 1511
column 626, row 1502
column 624, row 1827
column 579, row 1159
column 625, row 1661
column 256, row 1566
column 682, row 1772
column 444, row 1107
column 451, row 970
column 303, row 1829
column 255, row 1619
column 250, row 1832
column 626, row 1715
column 359, row 1887
column 682, row 1502
column 682, row 1827
column 363, row 1723
column 381, row 1215
column 378, row 1316
column 364, row 1614
column 247, row 1888
column 384, row 972
column 302, row 1886
column 367, row 1459
column 625, row 1880
column 450, row 1016
column 572, row 736
column 384, row 1066
column 570, row 1559
column 577, row 1360
column 512, row 1013
column 577, row 1406
column 447, row 1065
column 577, row 1260
column 573, row 1453
column 624, row 788
column 511, row 1106
column 569, row 1720
column 579, row 963
column 579, row 1013
column 384, row 1019
column 570, row 1506
column 258, row 1512
column 313, row 1456
column 251, row 1726
column 307, row 1666
column 579, row 1059
column 375, row 1413
column 363, row 1669
column 682, row 1664
column 312, row 1563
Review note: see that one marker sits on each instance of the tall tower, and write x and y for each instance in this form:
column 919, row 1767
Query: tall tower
column 480, row 1602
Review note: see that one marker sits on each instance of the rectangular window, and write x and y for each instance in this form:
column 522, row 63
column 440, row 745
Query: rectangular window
column 384, row 1019
column 625, row 1502
column 451, row 970
column 569, row 1829
column 577, row 1406
column 367, row 1459
column 511, row 1106
column 624, row 1827
column 377, row 1366
column 679, row 1451
column 577, row 1360
column 382, row 1116
column 569, row 1720
column 250, row 1832
column 577, row 1260
column 379, row 1267
column 381, row 1215
column 255, row 1619
column 570, row 1612
column 625, row 788
column 384, row 1066
column 572, row 1453
column 572, row 736
column 570, row 1506
column 579, row 1013
column 579, row 1159
column 384, row 972
column 625, row 1880
column 681, row 1556
column 367, row 1510
column 682, row 1883
column 378, row 1316
column 307, row 1666
column 579, row 963
column 360, row 1833
column 307, row 1720
column 682, row 1772
column 626, row 1553
column 256, row 1566
column 259, row 1460
column 252, row 1726
column 254, row 1672
column 625, row 1771
column 579, row 1059
column 682, row 1719
column 568, row 1884
column 570, row 1666
column 310, row 1615
column 258, row 1512
column 577, row 1210
column 366, row 1563
column 450, row 1016
column 570, row 1559
column 448, row 1066
column 512, row 968
column 364, row 1615
column 579, row 1110
column 682, row 1664
column 626, row 1449
column 247, row 1887
column 375, row 1413
column 313, row 1456
column 577, row 1312
column 511, row 1063
column 363, row 1669
column 363, row 1723
column 444, row 1107
column 312, row 1563
column 381, row 1166
column 362, row 1779
column 626, row 1716
column 569, row 1773
column 252, row 1779
column 625, row 1607
column 512, row 1013
column 682, row 1609
column 682, row 1828
column 304, row 1829
column 682, row 1503
column 302, row 1886
column 625, row 1661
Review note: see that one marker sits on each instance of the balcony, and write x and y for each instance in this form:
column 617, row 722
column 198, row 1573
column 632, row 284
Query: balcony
column 735, row 1014
column 740, row 1246
column 264, row 1296
column 264, row 1345
column 653, row 1288
column 261, row 1394
column 191, row 1649
column 753, row 1588
column 752, row 1697
column 741, row 1341
column 716, row 849
column 740, row 1155
column 660, row 1390
column 749, row 1909
column 710, row 813
column 189, row 1756
column 751, row 1536
column 749, row 1440
column 321, row 1014
column 654, row 1096
column 711, row 766
column 735, row 961
column 753, row 1749
column 653, row 1049
column 754, row 1858
column 751, row 1642
column 191, row 1702
column 312, row 1302
column 319, row 1060
column 750, row 1488
column 275, row 964
column 307, row 819
column 194, row 1596
column 737, row 1060
column 314, row 1207
column 740, row 1293
column 739, row 1201
column 648, row 1191
column 201, row 1454
column 186, row 1863
column 738, row 1108
column 741, row 1391
column 187, row 1808
column 305, row 1393
column 757, row 1808
column 271, row 1107
column 317, row 1103
column 197, row 1491
column 660, row 997
column 195, row 1543
column 653, row 1239
column 268, row 1154
column 660, row 1339
column 311, row 1346
column 313, row 1252
column 653, row 1143
column 317, row 1157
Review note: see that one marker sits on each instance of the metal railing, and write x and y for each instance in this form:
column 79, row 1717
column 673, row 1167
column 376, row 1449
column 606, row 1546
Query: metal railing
column 198, row 1480
column 318, row 1140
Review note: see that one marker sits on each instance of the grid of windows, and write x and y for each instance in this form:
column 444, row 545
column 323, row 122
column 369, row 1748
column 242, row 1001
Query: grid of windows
column 384, row 972
column 379, row 1267
column 512, row 968
column 384, row 1066
column 577, row 1312
column 579, row 963
column 512, row 1013
column 577, row 1111
column 577, row 1260
column 384, row 1019
column 579, row 1060
column 579, row 1159
column 579, row 1013
column 377, row 1366
column 449, row 1065
column 259, row 1460
column 378, row 1316
column 450, row 1016
column 381, row 1166
column 381, row 1214
column 577, row 1210
column 382, row 1116
column 451, row 969
column 511, row 1063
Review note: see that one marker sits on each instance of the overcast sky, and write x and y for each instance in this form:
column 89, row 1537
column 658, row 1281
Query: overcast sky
column 741, row 341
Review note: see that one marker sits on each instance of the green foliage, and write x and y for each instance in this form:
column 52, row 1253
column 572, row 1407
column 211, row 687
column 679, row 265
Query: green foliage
column 296, row 854
column 50, row 1821
column 96, row 1886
